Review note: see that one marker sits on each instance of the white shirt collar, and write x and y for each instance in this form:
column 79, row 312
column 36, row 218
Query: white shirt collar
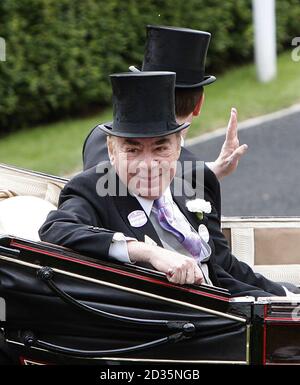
column 181, row 141
column 148, row 203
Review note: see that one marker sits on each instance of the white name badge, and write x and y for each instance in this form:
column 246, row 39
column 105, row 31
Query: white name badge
column 137, row 218
column 203, row 232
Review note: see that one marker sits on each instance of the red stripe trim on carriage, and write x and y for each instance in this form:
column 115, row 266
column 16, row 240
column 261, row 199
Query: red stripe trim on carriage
column 118, row 271
column 28, row 361
column 283, row 319
column 264, row 358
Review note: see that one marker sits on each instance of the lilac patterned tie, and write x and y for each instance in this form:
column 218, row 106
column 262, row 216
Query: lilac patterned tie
column 180, row 228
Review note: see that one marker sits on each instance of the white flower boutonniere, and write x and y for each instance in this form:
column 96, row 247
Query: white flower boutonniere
column 199, row 206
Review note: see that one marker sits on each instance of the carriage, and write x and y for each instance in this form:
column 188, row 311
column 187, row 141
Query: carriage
column 59, row 307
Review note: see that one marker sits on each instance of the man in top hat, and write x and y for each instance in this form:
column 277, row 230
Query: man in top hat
column 183, row 51
column 131, row 210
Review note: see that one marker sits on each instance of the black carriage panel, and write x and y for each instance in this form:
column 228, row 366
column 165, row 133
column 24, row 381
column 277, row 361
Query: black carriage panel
column 276, row 325
column 64, row 307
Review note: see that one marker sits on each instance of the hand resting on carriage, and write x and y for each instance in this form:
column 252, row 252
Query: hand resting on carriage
column 178, row 268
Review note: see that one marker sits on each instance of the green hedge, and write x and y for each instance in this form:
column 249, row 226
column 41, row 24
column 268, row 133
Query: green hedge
column 60, row 52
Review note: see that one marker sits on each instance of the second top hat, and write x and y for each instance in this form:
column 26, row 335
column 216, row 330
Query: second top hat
column 181, row 50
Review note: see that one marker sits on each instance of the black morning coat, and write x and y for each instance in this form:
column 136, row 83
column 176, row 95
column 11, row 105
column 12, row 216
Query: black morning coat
column 86, row 222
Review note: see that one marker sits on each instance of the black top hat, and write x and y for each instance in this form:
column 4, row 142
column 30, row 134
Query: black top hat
column 181, row 50
column 143, row 105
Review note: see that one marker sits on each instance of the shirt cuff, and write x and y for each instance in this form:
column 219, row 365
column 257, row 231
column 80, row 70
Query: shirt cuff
column 118, row 249
column 289, row 293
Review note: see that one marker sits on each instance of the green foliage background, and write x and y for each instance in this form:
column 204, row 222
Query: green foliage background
column 59, row 53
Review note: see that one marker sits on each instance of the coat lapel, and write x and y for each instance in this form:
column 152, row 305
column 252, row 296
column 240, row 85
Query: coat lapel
column 126, row 205
column 181, row 200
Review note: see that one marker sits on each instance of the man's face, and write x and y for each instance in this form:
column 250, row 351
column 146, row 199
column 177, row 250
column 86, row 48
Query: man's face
column 145, row 165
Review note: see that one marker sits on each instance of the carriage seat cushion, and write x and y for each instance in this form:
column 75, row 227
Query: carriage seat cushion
column 22, row 216
column 271, row 246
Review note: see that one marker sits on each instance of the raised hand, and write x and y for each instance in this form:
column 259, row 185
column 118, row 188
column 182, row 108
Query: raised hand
column 231, row 151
